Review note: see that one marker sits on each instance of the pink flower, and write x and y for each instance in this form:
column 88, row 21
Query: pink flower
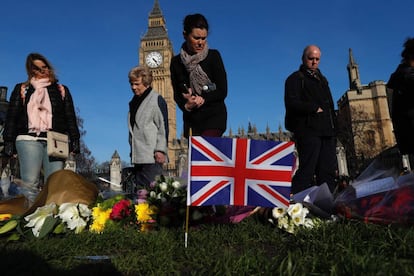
column 142, row 194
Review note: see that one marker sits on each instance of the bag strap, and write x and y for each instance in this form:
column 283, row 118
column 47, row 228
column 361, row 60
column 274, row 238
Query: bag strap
column 62, row 90
column 25, row 87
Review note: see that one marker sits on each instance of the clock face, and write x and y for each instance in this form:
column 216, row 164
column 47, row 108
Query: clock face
column 153, row 59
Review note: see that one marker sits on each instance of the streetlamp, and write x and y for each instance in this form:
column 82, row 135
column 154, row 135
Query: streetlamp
column 3, row 93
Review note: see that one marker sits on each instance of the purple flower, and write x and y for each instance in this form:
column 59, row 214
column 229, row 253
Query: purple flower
column 142, row 193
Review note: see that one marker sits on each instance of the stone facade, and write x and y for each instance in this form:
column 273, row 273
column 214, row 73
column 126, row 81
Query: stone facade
column 365, row 126
column 115, row 172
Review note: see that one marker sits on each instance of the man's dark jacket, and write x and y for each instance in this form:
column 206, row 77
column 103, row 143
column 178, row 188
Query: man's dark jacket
column 304, row 94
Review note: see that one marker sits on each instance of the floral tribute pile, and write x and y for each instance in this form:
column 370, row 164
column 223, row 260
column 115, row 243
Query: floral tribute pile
column 162, row 204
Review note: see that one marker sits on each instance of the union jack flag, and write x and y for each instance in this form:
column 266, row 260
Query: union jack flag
column 244, row 172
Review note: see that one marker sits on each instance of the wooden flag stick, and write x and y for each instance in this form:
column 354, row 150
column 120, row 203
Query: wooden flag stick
column 187, row 215
column 186, row 226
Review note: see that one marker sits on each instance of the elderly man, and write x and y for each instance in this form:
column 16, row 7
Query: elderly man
column 310, row 116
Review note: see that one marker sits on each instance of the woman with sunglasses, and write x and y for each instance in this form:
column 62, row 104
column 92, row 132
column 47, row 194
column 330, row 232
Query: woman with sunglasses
column 37, row 105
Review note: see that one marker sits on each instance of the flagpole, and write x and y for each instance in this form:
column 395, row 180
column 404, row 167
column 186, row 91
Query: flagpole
column 186, row 226
column 187, row 215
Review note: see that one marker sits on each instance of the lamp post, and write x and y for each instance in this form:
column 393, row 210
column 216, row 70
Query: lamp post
column 3, row 93
column 341, row 157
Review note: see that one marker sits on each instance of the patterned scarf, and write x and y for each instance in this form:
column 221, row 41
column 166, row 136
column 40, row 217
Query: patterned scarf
column 39, row 108
column 198, row 77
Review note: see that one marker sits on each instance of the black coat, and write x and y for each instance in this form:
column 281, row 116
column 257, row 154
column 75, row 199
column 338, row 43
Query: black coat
column 304, row 94
column 63, row 119
column 213, row 113
column 402, row 84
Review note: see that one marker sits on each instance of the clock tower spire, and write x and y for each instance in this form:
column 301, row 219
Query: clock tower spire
column 155, row 52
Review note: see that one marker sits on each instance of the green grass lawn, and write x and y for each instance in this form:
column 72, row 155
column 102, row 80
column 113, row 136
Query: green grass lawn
column 252, row 247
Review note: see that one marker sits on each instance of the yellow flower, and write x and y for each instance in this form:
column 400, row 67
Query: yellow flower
column 5, row 217
column 146, row 227
column 143, row 212
column 100, row 217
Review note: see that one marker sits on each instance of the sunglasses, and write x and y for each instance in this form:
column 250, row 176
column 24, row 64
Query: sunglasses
column 41, row 70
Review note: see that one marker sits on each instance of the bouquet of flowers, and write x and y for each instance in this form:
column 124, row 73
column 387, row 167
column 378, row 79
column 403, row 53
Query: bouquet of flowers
column 49, row 219
column 169, row 197
column 163, row 203
column 293, row 218
column 119, row 211
column 110, row 214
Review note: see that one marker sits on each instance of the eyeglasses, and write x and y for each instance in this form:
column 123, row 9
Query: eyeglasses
column 41, row 69
column 313, row 58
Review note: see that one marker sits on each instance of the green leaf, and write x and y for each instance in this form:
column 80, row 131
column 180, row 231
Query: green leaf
column 196, row 215
column 47, row 226
column 14, row 237
column 60, row 228
column 10, row 225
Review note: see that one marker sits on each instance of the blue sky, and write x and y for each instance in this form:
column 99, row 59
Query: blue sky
column 93, row 44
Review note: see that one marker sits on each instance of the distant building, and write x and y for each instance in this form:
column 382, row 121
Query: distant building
column 115, row 172
column 364, row 120
column 252, row 133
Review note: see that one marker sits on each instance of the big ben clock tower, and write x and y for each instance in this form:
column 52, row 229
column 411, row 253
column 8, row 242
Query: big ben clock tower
column 156, row 52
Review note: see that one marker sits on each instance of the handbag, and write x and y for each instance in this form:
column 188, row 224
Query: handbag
column 57, row 144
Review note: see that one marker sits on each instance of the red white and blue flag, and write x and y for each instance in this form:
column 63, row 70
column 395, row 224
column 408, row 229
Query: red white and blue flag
column 244, row 172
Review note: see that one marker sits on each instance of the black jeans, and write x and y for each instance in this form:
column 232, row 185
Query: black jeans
column 317, row 163
column 146, row 173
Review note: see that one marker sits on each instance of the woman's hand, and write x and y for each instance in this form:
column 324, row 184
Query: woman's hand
column 193, row 101
column 159, row 157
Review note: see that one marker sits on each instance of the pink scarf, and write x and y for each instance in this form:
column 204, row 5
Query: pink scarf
column 39, row 108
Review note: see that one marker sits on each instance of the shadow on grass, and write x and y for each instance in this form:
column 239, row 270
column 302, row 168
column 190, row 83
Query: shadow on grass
column 24, row 262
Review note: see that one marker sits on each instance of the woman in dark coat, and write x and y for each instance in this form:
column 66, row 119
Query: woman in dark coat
column 199, row 81
column 402, row 84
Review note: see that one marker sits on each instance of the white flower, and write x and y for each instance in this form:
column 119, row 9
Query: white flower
column 37, row 219
column 295, row 210
column 292, row 218
column 84, row 211
column 74, row 215
column 299, row 219
column 176, row 184
column 153, row 194
column 283, row 222
column 278, row 212
column 308, row 223
column 163, row 187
